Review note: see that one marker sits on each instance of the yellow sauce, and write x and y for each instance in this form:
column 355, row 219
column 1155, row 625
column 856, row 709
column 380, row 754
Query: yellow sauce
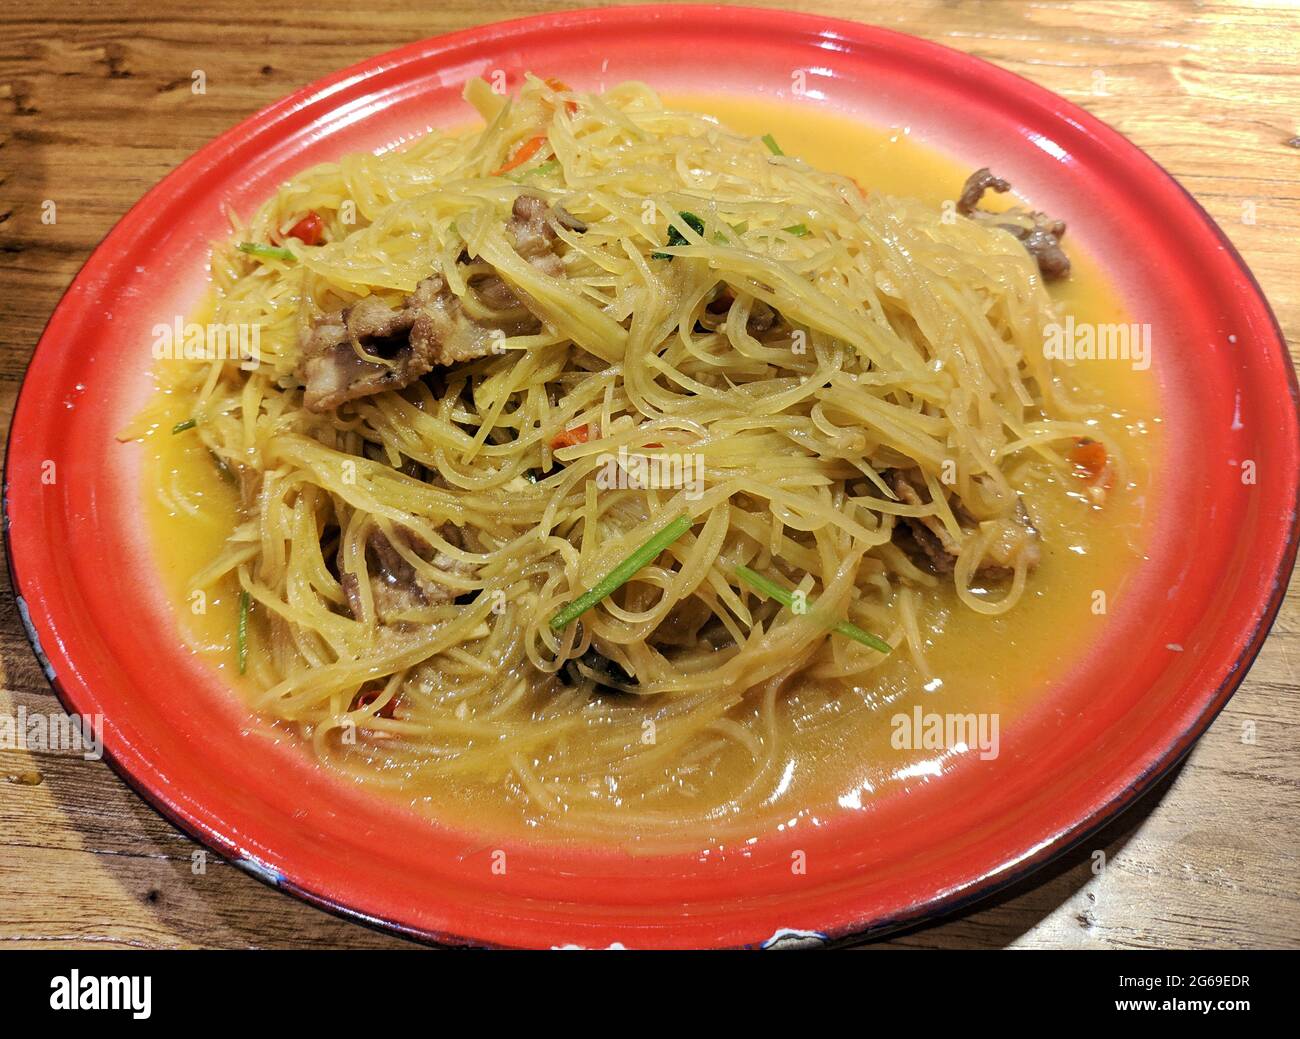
column 977, row 664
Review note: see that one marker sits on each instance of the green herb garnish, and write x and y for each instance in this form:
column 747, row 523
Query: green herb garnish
column 798, row 230
column 772, row 146
column 675, row 237
column 241, row 632
column 268, row 252
column 181, row 427
column 774, row 591
column 622, row 573
column 544, row 170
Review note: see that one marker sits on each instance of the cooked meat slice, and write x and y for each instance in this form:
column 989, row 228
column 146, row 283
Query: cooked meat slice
column 1039, row 233
column 334, row 372
column 925, row 538
column 530, row 224
column 374, row 322
column 428, row 329
column 443, row 332
column 682, row 625
column 973, row 190
column 352, row 590
column 929, row 543
column 395, row 584
column 566, row 219
column 1044, row 245
column 495, row 293
column 534, row 238
column 761, row 318
column 603, row 673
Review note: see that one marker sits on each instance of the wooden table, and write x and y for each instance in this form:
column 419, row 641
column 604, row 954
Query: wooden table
column 96, row 106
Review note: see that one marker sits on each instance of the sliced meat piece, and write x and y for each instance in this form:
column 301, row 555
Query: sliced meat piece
column 429, row 328
column 567, row 220
column 534, row 237
column 334, row 372
column 973, row 190
column 931, row 545
column 530, row 224
column 443, row 332
column 1038, row 233
column 681, row 627
column 1044, row 245
column 395, row 584
column 924, row 538
column 762, row 317
column 605, row 674
column 495, row 293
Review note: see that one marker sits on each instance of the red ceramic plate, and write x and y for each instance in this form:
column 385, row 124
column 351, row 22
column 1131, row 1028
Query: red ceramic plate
column 1221, row 556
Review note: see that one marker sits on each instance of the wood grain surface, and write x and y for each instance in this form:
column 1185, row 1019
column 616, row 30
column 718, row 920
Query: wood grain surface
column 96, row 106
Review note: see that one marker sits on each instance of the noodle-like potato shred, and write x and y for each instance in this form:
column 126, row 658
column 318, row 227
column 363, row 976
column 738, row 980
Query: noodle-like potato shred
column 756, row 413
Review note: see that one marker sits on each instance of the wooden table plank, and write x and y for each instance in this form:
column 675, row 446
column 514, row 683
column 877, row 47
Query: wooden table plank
column 96, row 106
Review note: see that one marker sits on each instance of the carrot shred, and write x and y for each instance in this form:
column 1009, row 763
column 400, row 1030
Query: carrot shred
column 526, row 151
column 1089, row 458
column 561, row 87
column 368, row 696
column 310, row 230
column 571, row 437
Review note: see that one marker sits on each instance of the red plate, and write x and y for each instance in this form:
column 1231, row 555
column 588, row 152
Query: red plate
column 1221, row 556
